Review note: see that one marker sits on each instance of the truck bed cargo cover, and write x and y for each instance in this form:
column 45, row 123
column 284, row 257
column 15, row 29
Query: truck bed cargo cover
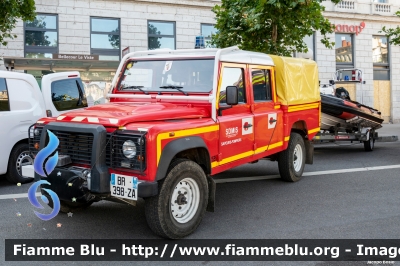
column 296, row 80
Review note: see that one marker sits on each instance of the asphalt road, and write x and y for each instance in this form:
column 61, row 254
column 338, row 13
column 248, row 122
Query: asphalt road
column 359, row 203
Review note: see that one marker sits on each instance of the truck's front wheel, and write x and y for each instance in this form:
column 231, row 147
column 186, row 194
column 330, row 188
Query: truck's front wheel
column 292, row 160
column 181, row 203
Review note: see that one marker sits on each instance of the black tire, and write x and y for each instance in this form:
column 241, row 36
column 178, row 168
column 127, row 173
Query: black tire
column 286, row 159
column 369, row 144
column 19, row 155
column 159, row 209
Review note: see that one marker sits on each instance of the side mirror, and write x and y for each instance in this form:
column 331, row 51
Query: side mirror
column 232, row 95
column 331, row 82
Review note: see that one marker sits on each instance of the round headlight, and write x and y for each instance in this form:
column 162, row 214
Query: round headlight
column 36, row 132
column 129, row 149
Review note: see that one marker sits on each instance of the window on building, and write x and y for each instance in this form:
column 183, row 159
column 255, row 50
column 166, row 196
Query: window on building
column 207, row 30
column 344, row 50
column 105, row 38
column 310, row 43
column 261, row 85
column 380, row 51
column 68, row 94
column 161, row 34
column 4, row 103
column 381, row 1
column 232, row 76
column 41, row 36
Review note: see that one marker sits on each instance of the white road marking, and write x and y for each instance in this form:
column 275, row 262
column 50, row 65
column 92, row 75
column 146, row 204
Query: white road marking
column 251, row 178
column 327, row 172
column 15, row 196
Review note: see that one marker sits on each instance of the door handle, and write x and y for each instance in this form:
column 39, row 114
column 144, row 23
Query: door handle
column 271, row 121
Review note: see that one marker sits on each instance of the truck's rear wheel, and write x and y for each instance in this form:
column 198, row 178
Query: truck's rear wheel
column 181, row 203
column 292, row 160
column 19, row 157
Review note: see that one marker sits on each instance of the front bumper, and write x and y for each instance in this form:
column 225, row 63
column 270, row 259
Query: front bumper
column 69, row 185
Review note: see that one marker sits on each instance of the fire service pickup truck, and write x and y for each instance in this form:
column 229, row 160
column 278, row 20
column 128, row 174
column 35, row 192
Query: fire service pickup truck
column 175, row 119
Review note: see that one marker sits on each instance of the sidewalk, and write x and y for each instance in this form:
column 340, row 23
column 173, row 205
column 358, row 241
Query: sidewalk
column 388, row 132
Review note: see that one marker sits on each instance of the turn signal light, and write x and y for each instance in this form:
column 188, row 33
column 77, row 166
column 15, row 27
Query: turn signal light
column 140, row 158
column 36, row 145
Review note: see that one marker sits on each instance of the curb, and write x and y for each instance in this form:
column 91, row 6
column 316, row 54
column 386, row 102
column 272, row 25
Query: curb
column 387, row 139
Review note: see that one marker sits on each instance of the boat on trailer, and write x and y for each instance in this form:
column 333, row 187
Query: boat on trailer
column 345, row 120
column 347, row 114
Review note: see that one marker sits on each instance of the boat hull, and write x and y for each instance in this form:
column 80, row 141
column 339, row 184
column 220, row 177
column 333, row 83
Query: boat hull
column 338, row 112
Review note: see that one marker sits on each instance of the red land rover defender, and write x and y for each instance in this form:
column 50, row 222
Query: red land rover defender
column 175, row 119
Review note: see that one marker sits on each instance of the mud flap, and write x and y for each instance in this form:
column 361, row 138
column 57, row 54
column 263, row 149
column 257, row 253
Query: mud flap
column 211, row 194
column 309, row 151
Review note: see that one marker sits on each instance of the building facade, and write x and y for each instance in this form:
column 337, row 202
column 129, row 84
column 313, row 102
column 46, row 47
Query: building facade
column 92, row 35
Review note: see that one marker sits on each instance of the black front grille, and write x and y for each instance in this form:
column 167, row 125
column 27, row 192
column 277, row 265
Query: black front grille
column 79, row 147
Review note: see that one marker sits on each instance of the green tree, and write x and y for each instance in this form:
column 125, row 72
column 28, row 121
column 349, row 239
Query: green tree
column 10, row 11
column 154, row 42
column 114, row 39
column 37, row 38
column 393, row 33
column 270, row 26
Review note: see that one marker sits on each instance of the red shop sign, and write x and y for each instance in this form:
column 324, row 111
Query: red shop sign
column 350, row 28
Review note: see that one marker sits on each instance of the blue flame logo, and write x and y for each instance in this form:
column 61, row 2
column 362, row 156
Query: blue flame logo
column 44, row 153
column 45, row 169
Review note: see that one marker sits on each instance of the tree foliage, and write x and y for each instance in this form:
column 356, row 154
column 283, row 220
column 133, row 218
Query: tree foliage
column 37, row 38
column 270, row 26
column 10, row 11
column 154, row 42
column 114, row 39
column 393, row 33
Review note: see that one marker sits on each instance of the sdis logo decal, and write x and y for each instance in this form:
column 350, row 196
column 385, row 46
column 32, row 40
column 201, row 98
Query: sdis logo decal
column 45, row 170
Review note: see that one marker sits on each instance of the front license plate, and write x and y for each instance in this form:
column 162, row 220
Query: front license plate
column 123, row 186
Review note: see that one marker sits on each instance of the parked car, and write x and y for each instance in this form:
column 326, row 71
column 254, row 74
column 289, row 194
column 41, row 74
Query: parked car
column 22, row 103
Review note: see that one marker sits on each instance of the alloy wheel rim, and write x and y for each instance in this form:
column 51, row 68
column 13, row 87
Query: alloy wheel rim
column 23, row 159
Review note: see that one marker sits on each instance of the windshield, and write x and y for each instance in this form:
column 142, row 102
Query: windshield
column 189, row 75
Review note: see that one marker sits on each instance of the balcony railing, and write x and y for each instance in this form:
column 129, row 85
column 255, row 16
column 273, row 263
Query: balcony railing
column 379, row 8
column 346, row 4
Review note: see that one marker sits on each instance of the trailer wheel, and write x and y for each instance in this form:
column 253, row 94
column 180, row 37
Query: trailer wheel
column 181, row 203
column 292, row 160
column 369, row 144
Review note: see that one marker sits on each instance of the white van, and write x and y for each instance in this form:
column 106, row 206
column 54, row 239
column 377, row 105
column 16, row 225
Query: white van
column 22, row 103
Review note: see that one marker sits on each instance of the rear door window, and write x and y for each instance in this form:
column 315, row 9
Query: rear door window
column 68, row 94
column 4, row 101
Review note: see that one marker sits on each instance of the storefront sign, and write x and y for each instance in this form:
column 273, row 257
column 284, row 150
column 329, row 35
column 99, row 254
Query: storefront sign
column 350, row 28
column 76, row 57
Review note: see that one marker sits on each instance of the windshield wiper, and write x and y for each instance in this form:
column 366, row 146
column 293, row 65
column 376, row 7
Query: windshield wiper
column 135, row 88
column 174, row 87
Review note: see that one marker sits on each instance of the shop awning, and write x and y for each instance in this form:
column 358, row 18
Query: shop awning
column 21, row 63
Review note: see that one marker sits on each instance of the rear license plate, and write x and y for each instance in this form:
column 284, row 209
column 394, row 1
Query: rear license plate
column 123, row 186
